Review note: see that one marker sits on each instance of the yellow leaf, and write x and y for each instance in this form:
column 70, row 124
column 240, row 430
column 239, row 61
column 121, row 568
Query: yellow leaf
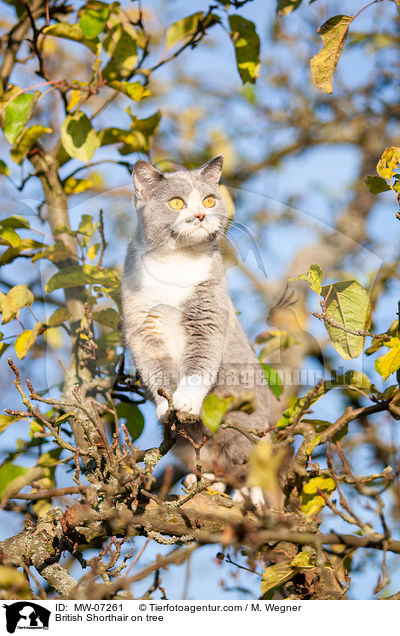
column 303, row 560
column 333, row 33
column 15, row 581
column 387, row 163
column 326, row 484
column 75, row 96
column 313, row 444
column 313, row 276
column 54, row 337
column 26, row 340
column 390, row 361
column 311, row 502
column 74, row 186
column 183, row 29
column 313, row 505
column 17, row 298
column 276, row 575
column 92, row 251
column 265, row 462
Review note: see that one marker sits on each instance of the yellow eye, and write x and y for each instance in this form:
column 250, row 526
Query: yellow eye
column 209, row 202
column 176, row 204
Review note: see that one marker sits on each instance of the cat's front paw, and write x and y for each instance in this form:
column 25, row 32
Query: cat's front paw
column 190, row 394
column 187, row 401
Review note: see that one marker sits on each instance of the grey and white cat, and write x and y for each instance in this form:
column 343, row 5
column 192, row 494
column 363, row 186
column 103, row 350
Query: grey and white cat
column 179, row 321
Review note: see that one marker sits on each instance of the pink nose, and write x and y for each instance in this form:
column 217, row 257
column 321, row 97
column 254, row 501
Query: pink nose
column 200, row 216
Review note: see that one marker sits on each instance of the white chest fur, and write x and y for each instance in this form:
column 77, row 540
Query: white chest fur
column 171, row 279
column 164, row 283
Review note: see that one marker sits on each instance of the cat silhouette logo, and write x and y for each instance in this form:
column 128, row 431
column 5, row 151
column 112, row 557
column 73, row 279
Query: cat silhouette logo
column 26, row 615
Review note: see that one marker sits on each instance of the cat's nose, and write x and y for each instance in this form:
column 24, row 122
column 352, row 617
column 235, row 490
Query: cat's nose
column 200, row 216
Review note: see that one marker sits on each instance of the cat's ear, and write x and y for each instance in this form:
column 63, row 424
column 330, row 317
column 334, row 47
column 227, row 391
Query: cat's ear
column 212, row 170
column 145, row 179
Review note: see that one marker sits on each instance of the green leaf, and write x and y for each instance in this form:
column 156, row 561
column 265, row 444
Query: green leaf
column 274, row 340
column 6, row 420
column 287, row 6
column 78, row 137
column 15, row 222
column 134, row 90
column 303, row 560
column 86, row 225
column 14, row 252
column 273, row 379
column 72, row 32
column 276, row 575
column 314, row 443
column 333, row 33
column 213, row 410
column 82, row 275
column 108, row 317
column 313, row 276
column 347, row 303
column 183, row 29
column 17, row 298
column 134, row 420
column 55, row 253
column 135, row 140
column 349, row 379
column 58, row 317
column 4, row 168
column 26, row 141
column 388, row 162
column 247, row 48
column 376, row 185
column 390, row 361
column 50, row 458
column 94, row 18
column 26, row 340
column 11, row 93
column 9, row 472
column 320, row 426
column 18, row 113
column 120, row 44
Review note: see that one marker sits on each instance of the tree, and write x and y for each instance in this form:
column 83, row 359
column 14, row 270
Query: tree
column 67, row 73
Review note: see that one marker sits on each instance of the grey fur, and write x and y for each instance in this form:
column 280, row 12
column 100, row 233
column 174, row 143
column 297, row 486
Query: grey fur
column 200, row 317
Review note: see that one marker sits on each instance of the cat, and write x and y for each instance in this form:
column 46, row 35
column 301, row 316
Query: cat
column 179, row 321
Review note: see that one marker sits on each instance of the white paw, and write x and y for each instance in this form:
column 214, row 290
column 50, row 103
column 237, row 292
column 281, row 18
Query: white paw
column 255, row 493
column 216, row 485
column 189, row 481
column 187, row 401
column 162, row 411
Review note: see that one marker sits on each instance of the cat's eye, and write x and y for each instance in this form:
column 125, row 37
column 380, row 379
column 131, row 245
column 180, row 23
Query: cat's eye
column 176, row 203
column 209, row 201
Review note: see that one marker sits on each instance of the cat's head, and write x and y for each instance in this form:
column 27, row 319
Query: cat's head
column 180, row 209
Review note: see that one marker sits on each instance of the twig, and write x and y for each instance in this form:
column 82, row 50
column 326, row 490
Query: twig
column 355, row 332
